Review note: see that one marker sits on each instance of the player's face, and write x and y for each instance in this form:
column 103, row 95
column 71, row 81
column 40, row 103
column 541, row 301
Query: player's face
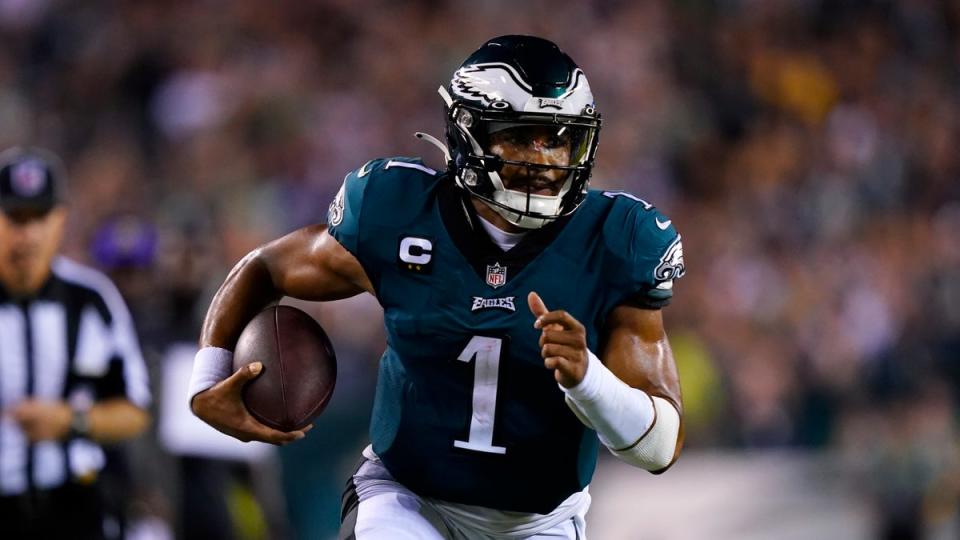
column 542, row 145
column 28, row 242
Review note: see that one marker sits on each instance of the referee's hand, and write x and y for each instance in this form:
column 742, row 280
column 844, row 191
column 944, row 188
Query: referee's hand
column 43, row 420
column 222, row 407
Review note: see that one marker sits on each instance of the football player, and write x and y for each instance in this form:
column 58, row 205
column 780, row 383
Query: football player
column 522, row 312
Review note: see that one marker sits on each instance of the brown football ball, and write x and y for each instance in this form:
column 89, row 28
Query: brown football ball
column 299, row 367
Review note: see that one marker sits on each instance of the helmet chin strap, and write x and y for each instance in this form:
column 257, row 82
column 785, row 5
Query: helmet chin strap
column 520, row 220
column 518, row 202
column 541, row 204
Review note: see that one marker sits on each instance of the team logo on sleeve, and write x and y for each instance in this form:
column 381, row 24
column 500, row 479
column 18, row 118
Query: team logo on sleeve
column 335, row 213
column 671, row 263
column 496, row 275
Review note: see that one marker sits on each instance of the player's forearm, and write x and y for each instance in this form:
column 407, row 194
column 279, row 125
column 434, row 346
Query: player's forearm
column 116, row 420
column 658, row 377
column 247, row 290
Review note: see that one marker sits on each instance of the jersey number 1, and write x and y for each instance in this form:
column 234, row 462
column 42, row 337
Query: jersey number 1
column 486, row 373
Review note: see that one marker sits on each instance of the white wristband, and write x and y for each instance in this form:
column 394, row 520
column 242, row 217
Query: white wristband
column 210, row 366
column 620, row 414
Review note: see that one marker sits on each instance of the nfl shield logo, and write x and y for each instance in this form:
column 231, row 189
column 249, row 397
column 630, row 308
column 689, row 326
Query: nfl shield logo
column 496, row 275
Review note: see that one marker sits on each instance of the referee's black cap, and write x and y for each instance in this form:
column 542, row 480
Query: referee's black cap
column 31, row 179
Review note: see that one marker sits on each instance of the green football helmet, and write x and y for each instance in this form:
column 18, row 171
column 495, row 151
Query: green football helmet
column 518, row 82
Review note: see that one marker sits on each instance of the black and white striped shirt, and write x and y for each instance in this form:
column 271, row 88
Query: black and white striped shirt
column 73, row 341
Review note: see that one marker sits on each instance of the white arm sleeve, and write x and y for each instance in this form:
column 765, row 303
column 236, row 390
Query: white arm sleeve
column 210, row 366
column 654, row 451
column 637, row 428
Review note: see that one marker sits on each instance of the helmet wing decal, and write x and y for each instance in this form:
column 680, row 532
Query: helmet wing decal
column 491, row 82
column 500, row 82
column 578, row 77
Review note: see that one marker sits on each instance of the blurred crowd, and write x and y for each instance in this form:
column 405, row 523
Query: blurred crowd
column 808, row 151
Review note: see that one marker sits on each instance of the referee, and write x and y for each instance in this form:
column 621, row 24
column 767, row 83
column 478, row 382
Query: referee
column 71, row 372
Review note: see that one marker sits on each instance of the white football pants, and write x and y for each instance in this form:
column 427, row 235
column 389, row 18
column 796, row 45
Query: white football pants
column 377, row 507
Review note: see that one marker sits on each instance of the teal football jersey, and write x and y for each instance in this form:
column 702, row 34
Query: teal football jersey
column 465, row 410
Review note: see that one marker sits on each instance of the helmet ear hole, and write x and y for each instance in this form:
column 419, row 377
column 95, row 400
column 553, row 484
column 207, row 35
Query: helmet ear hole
column 500, row 105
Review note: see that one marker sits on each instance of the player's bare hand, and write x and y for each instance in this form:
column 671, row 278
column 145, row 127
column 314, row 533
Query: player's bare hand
column 563, row 342
column 222, row 407
column 43, row 420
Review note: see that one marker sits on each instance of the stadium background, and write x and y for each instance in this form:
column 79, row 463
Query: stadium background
column 809, row 152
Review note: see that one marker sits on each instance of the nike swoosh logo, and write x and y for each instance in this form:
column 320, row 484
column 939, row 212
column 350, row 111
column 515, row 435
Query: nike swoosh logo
column 365, row 170
column 663, row 224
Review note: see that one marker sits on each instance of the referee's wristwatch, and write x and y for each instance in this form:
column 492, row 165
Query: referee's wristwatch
column 79, row 425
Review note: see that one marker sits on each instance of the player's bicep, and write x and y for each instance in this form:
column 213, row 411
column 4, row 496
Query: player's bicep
column 311, row 264
column 637, row 351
